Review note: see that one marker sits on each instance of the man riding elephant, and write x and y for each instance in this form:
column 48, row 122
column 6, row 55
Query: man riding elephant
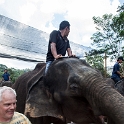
column 58, row 44
column 116, row 74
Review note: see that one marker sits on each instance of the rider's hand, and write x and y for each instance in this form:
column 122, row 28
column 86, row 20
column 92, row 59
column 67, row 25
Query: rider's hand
column 58, row 56
column 72, row 55
column 122, row 76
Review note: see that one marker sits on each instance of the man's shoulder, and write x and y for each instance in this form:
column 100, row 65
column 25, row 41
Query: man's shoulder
column 19, row 117
column 55, row 32
column 117, row 64
column 16, row 114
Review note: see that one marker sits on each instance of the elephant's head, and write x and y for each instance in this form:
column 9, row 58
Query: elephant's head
column 78, row 92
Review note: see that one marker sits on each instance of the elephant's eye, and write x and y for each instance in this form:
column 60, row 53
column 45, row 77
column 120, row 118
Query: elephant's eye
column 73, row 79
column 73, row 82
column 73, row 86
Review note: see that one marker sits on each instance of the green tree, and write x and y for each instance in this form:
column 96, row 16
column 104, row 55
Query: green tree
column 118, row 21
column 106, row 39
column 2, row 67
column 96, row 60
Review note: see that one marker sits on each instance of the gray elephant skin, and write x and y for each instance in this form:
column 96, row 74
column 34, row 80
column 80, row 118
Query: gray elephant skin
column 71, row 90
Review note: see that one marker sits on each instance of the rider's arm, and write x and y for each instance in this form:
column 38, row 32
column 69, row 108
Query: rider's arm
column 118, row 72
column 54, row 52
column 9, row 78
column 70, row 52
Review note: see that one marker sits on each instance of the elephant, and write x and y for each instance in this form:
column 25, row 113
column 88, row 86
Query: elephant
column 71, row 90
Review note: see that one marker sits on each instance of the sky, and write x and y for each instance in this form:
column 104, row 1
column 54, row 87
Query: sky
column 46, row 15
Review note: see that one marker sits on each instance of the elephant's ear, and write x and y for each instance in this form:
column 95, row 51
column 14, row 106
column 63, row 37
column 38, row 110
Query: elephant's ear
column 38, row 103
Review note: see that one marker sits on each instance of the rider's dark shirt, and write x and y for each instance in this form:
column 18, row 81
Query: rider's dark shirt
column 6, row 76
column 115, row 69
column 62, row 44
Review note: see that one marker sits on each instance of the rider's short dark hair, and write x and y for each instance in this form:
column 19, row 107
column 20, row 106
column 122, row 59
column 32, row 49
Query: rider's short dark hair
column 120, row 58
column 63, row 25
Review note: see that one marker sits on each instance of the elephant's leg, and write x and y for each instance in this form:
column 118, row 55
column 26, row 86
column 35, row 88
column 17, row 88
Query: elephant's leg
column 36, row 120
column 46, row 120
column 109, row 121
column 49, row 120
column 58, row 121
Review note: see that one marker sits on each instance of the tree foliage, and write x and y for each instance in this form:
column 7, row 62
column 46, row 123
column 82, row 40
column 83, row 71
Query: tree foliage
column 97, row 62
column 118, row 21
column 106, row 39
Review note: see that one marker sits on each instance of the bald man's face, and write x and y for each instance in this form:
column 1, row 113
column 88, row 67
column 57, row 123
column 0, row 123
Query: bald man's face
column 7, row 106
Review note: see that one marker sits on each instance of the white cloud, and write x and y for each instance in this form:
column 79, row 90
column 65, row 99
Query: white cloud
column 33, row 1
column 26, row 12
column 2, row 1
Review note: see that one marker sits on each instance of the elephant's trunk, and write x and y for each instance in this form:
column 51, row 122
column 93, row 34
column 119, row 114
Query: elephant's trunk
column 104, row 99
